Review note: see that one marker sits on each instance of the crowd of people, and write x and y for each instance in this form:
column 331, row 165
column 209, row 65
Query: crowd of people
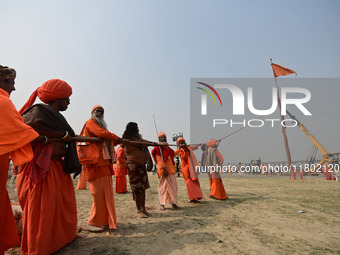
column 43, row 147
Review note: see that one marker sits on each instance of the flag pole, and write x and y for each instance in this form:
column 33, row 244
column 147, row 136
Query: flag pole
column 284, row 133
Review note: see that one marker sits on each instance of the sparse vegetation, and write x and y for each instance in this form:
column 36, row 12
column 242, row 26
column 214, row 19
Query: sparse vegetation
column 260, row 217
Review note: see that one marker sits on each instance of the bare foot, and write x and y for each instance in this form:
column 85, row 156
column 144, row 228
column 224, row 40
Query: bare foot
column 162, row 208
column 95, row 228
column 175, row 206
column 142, row 215
column 146, row 213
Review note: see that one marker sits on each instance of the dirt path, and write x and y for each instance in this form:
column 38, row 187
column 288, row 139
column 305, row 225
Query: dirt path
column 260, row 217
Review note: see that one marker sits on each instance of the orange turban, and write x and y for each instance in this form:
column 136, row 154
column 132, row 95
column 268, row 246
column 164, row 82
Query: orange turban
column 180, row 139
column 97, row 106
column 49, row 91
column 211, row 143
column 54, row 89
column 161, row 134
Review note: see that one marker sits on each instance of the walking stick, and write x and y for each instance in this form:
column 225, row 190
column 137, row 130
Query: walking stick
column 160, row 149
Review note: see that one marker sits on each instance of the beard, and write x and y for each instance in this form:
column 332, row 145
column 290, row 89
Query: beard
column 100, row 120
column 164, row 140
column 138, row 135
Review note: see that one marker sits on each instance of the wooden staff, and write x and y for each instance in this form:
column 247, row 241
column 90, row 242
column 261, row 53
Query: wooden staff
column 88, row 139
column 79, row 138
column 160, row 150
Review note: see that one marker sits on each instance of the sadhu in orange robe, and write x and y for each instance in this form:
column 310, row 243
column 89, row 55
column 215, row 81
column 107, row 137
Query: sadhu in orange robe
column 15, row 138
column 190, row 175
column 120, row 171
column 167, row 186
column 45, row 191
column 212, row 157
column 99, row 177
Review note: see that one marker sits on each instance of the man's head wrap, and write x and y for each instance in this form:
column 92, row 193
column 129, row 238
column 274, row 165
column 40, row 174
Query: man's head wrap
column 97, row 106
column 211, row 143
column 7, row 73
column 50, row 90
column 161, row 134
column 180, row 139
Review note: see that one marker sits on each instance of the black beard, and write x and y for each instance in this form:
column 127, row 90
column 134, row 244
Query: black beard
column 138, row 135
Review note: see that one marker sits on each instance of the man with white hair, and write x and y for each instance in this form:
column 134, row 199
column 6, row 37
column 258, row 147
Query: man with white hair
column 166, row 172
column 99, row 175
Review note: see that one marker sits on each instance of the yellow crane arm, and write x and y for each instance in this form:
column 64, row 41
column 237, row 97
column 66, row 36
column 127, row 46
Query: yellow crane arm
column 310, row 136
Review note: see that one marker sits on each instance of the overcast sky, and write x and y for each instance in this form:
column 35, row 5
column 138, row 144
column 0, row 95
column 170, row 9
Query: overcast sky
column 136, row 58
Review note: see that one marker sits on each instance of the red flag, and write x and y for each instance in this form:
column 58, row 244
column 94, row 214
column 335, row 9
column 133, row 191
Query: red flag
column 280, row 70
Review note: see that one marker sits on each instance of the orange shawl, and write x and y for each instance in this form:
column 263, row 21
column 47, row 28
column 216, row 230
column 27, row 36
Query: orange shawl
column 189, row 163
column 15, row 135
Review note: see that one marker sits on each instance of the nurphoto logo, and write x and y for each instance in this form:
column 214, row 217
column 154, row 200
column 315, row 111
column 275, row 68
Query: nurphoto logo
column 258, row 100
column 239, row 98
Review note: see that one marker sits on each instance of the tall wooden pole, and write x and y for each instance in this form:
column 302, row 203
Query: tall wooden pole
column 284, row 133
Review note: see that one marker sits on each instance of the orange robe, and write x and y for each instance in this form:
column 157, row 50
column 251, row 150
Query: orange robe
column 216, row 185
column 99, row 177
column 82, row 178
column 217, row 189
column 49, row 210
column 120, row 171
column 15, row 138
column 190, row 175
column 167, row 186
column 213, row 158
column 8, row 231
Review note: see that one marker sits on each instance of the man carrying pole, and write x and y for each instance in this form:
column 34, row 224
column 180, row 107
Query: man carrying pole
column 166, row 172
column 138, row 158
column 189, row 166
column 212, row 157
column 15, row 143
column 99, row 174
column 44, row 185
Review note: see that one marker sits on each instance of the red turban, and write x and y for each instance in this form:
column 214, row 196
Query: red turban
column 180, row 139
column 161, row 134
column 97, row 106
column 211, row 143
column 49, row 91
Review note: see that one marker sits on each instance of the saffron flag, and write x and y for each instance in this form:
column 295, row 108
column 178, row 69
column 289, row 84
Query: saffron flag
column 280, row 70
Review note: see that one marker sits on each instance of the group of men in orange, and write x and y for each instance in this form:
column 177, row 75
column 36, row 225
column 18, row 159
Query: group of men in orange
column 44, row 186
column 42, row 145
column 210, row 157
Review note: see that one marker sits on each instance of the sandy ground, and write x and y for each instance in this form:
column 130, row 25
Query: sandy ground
column 260, row 217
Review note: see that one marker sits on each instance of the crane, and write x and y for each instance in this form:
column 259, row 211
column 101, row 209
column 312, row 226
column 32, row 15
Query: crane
column 331, row 159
